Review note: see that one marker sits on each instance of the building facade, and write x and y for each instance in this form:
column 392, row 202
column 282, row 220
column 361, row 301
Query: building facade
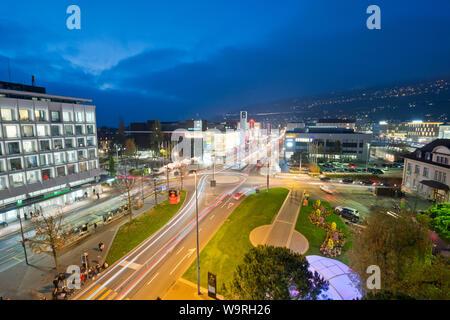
column 338, row 123
column 338, row 144
column 427, row 171
column 414, row 131
column 48, row 149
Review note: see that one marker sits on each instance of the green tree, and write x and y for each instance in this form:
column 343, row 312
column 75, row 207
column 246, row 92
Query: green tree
column 440, row 219
column 274, row 273
column 121, row 138
column 156, row 137
column 401, row 248
column 111, row 166
column 386, row 295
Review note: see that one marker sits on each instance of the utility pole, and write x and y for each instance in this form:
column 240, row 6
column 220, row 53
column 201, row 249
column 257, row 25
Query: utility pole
column 154, row 190
column 23, row 237
column 167, row 187
column 268, row 169
column 367, row 160
column 300, row 167
column 213, row 181
column 142, row 188
column 196, row 217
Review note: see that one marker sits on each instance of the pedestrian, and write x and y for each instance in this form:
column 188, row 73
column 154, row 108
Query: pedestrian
column 98, row 196
column 55, row 294
column 25, row 216
column 100, row 246
column 56, row 282
column 104, row 219
column 95, row 226
column 86, row 194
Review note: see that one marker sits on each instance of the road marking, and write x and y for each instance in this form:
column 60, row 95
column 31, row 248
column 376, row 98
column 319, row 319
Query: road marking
column 179, row 250
column 105, row 295
column 132, row 265
column 113, row 295
column 153, row 278
column 230, row 205
column 210, row 218
column 190, row 252
column 17, row 259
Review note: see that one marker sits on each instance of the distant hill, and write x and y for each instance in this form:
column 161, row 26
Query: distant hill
column 427, row 100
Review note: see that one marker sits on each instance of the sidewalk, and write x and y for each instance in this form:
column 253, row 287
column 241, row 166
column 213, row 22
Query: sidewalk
column 282, row 233
column 186, row 290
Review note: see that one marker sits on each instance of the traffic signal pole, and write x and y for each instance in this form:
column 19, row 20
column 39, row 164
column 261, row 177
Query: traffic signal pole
column 23, row 238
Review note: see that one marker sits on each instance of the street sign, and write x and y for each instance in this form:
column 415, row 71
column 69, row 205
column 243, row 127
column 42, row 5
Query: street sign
column 211, row 285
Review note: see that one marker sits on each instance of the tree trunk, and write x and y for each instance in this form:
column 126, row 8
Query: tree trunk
column 55, row 257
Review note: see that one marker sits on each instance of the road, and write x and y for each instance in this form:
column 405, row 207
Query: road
column 158, row 261
column 149, row 270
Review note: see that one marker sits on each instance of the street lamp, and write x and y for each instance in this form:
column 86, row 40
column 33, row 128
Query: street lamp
column 154, row 191
column 196, row 218
column 23, row 238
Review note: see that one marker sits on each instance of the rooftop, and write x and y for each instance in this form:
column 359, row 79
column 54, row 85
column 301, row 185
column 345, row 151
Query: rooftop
column 23, row 91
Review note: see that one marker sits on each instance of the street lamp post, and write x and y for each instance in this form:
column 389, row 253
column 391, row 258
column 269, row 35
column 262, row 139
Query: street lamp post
column 154, row 190
column 196, row 218
column 142, row 188
column 167, row 187
column 268, row 169
column 23, row 238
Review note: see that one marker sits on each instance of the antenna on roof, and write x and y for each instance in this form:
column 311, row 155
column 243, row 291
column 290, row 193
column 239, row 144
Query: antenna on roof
column 32, row 80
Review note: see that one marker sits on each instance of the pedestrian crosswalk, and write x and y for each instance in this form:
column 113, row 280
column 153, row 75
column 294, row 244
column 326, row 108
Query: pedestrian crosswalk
column 99, row 293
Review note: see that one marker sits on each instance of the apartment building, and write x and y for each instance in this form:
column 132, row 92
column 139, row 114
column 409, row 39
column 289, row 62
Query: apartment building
column 48, row 149
column 427, row 171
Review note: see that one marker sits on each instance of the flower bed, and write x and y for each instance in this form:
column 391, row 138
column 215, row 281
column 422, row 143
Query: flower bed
column 335, row 238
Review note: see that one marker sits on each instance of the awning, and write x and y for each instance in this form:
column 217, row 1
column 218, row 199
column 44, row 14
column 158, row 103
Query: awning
column 435, row 184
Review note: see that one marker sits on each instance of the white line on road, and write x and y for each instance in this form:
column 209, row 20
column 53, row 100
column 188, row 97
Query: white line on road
column 153, row 278
column 179, row 250
column 210, row 218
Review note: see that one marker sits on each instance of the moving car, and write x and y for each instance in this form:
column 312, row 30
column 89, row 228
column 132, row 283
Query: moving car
column 347, row 180
column 347, row 213
column 366, row 182
column 238, row 195
column 327, row 189
column 325, row 179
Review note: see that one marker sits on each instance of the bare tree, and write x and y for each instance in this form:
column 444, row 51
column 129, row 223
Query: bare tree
column 50, row 235
column 126, row 186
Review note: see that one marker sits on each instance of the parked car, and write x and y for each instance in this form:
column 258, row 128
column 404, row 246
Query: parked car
column 348, row 213
column 327, row 189
column 352, row 165
column 366, row 182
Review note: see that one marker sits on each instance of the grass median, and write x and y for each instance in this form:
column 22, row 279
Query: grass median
column 316, row 235
column 228, row 246
column 133, row 233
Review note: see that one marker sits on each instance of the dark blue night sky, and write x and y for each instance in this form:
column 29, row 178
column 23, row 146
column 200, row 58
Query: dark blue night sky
column 174, row 59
